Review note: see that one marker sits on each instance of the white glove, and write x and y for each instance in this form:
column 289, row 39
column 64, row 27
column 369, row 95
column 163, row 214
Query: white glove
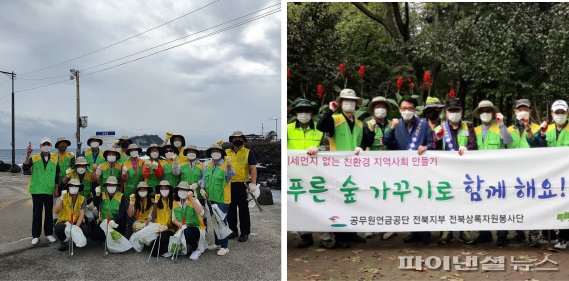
column 461, row 150
column 95, row 212
column 194, row 186
column 373, row 123
column 500, row 118
column 333, row 105
column 154, row 165
column 113, row 224
column 98, row 190
column 124, row 170
column 99, row 171
column 253, row 187
column 203, row 193
column 184, row 227
column 312, row 151
column 358, row 150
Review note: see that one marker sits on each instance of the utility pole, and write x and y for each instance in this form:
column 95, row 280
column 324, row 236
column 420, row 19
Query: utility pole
column 15, row 168
column 276, row 126
column 262, row 130
column 75, row 75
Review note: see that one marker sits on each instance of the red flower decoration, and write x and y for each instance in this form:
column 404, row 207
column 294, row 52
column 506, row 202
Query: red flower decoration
column 320, row 91
column 288, row 73
column 342, row 69
column 427, row 79
column 361, row 72
column 451, row 94
column 399, row 83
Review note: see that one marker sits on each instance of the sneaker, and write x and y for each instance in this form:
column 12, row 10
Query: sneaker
column 35, row 241
column 233, row 235
column 368, row 235
column 388, row 235
column 445, row 238
column 222, row 252
column 50, row 238
column 533, row 241
column 562, row 245
column 195, row 255
column 213, row 247
column 243, row 238
column 306, row 241
column 411, row 238
column 466, row 237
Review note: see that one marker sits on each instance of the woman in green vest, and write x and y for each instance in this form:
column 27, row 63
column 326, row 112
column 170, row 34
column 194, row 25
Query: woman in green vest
column 376, row 127
column 188, row 216
column 171, row 165
column 111, row 168
column 302, row 133
column 523, row 131
column 93, row 154
column 152, row 170
column 113, row 206
column 178, row 141
column 70, row 207
column 132, row 169
column 191, row 170
column 123, row 143
column 80, row 172
column 65, row 159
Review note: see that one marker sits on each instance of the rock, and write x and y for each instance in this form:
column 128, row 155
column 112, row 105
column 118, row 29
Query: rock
column 15, row 169
column 4, row 167
column 266, row 197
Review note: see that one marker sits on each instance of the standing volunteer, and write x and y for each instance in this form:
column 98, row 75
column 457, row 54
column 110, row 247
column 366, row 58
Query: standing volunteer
column 171, row 165
column 152, row 171
column 111, row 168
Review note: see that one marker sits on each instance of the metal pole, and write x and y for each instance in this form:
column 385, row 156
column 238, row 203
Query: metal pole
column 13, row 169
column 78, row 133
column 276, row 131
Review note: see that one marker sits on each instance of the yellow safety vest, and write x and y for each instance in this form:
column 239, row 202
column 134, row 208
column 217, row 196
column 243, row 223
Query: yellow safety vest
column 240, row 163
column 65, row 214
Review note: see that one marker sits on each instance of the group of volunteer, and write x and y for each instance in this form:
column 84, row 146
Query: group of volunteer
column 162, row 200
column 441, row 128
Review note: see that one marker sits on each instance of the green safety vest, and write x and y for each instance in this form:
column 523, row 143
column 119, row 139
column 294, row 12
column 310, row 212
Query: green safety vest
column 43, row 178
column 521, row 141
column 492, row 140
column 124, row 157
column 218, row 190
column 378, row 135
column 107, row 172
column 192, row 217
column 87, row 183
column 133, row 177
column 301, row 139
column 461, row 135
column 112, row 206
column 64, row 162
column 553, row 140
column 91, row 160
column 152, row 180
column 167, row 169
column 345, row 139
column 192, row 175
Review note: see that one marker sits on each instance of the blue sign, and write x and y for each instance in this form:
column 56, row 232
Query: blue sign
column 111, row 133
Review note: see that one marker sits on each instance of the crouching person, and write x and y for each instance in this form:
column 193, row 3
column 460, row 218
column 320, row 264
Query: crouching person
column 188, row 216
column 113, row 205
column 70, row 207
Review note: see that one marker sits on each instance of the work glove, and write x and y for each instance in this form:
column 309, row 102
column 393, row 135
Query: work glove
column 162, row 228
column 333, row 105
column 184, row 227
column 203, row 193
column 147, row 164
column 543, row 127
column 132, row 198
column 113, row 224
column 154, row 164
column 500, row 118
column 358, row 150
column 168, row 135
column 156, row 197
column 98, row 190
column 394, row 123
column 373, row 122
column 137, row 226
column 440, row 133
column 312, row 151
column 253, row 190
column 461, row 150
column 99, row 171
column 124, row 170
column 68, row 171
column 194, row 186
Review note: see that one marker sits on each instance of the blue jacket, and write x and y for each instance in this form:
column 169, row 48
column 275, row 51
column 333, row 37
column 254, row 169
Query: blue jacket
column 399, row 138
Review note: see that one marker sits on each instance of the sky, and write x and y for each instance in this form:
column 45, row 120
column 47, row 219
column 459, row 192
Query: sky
column 203, row 90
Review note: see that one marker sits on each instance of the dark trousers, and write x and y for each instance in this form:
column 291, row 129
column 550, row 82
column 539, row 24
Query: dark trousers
column 239, row 200
column 164, row 240
column 192, row 235
column 42, row 202
column 99, row 235
column 60, row 230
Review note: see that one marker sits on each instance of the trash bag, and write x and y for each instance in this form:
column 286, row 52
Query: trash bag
column 177, row 242
column 116, row 242
column 145, row 236
column 79, row 238
column 220, row 227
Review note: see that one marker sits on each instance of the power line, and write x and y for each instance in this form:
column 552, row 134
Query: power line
column 38, row 87
column 198, row 32
column 121, row 41
column 45, row 78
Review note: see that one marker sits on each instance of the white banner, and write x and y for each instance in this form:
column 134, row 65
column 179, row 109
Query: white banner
column 512, row 189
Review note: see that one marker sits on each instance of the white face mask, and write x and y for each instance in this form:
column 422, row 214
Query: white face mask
column 303, row 117
column 164, row 193
column 215, row 155
column 133, row 153
column 559, row 119
column 111, row 158
column 46, row 148
column 169, row 155
column 486, row 117
column 94, row 144
column 454, row 117
column 73, row 190
column 522, row 115
column 81, row 170
column 407, row 115
column 111, row 189
column 191, row 156
column 380, row 112
column 154, row 154
column 349, row 106
column 177, row 144
column 183, row 194
column 142, row 194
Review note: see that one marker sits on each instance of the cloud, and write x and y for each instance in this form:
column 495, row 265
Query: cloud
column 204, row 90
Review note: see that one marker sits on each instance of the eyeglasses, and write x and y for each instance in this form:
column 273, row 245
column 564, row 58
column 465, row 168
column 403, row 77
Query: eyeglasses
column 407, row 108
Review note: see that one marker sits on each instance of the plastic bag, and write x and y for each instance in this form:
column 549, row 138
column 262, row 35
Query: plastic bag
column 220, row 227
column 79, row 238
column 116, row 242
column 145, row 236
column 177, row 243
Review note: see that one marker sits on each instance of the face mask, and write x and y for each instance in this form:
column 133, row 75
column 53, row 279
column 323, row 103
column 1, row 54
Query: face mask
column 380, row 112
column 62, row 148
column 124, row 145
column 154, row 155
column 433, row 115
column 73, row 190
column 94, row 144
column 407, row 115
column 81, row 170
column 177, row 144
column 215, row 155
column 348, row 106
column 303, row 117
column 111, row 158
column 164, row 193
column 237, row 143
column 111, row 189
column 183, row 194
column 191, row 156
column 133, row 153
column 559, row 119
column 522, row 115
column 486, row 117
column 169, row 155
column 454, row 117
column 142, row 194
column 46, row 148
